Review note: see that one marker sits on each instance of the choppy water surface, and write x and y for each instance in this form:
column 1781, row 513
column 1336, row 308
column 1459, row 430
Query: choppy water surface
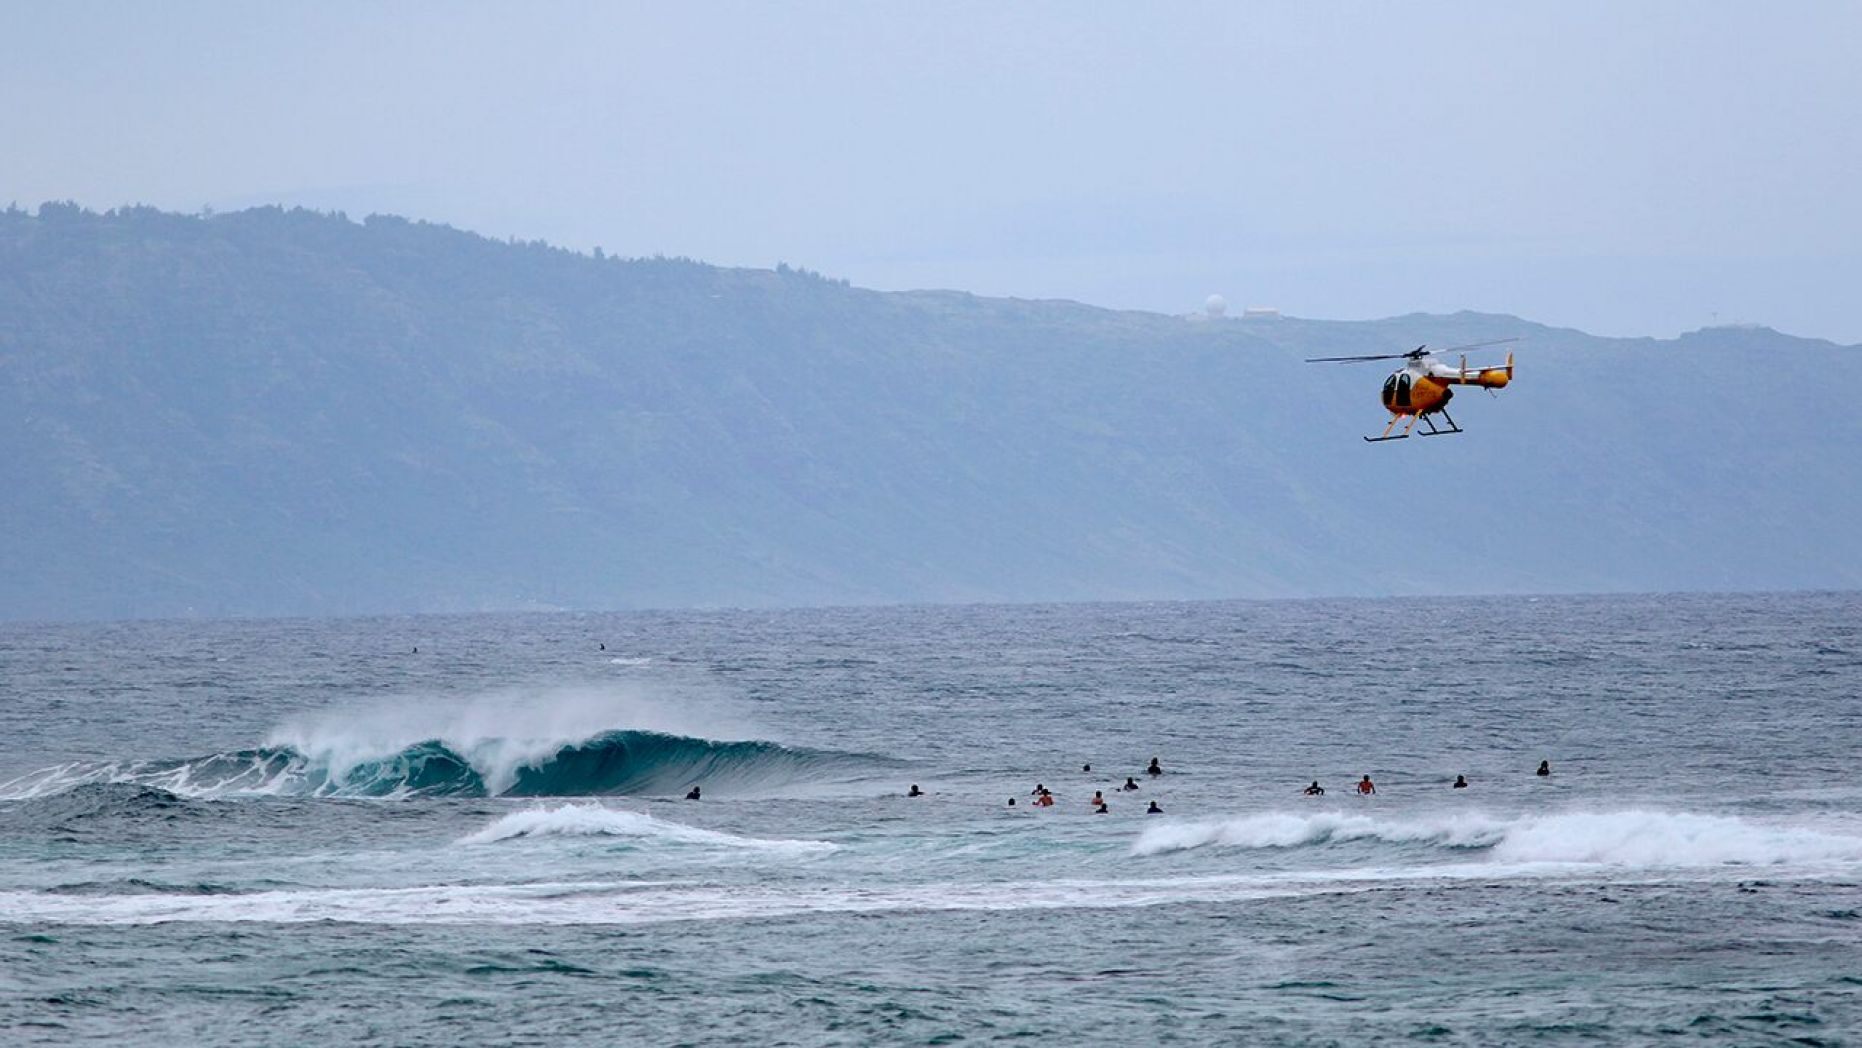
column 286, row 832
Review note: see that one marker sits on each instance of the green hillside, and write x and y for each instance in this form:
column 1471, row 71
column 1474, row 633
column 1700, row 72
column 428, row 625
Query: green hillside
column 277, row 412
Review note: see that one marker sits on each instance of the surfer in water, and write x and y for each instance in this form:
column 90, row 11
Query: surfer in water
column 1155, row 768
column 695, row 794
column 914, row 791
column 1154, row 809
column 1545, row 769
column 1102, row 810
column 1130, row 783
column 1098, row 801
column 1315, row 790
column 1461, row 782
column 1365, row 787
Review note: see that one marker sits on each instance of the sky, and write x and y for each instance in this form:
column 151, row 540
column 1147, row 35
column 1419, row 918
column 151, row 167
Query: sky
column 1637, row 168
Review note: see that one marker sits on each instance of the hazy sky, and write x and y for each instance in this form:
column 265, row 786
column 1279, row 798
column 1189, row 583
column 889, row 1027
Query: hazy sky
column 1626, row 168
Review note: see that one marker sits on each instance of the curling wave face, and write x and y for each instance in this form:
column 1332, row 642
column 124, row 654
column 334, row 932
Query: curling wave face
column 609, row 763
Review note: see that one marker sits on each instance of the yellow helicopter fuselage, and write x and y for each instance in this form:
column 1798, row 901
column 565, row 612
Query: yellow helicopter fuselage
column 1423, row 386
column 1420, row 389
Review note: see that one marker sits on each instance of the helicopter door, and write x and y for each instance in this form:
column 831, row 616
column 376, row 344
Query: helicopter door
column 1402, row 390
column 1390, row 391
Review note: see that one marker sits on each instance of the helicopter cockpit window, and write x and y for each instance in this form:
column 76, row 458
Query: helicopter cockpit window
column 1402, row 390
column 1390, row 389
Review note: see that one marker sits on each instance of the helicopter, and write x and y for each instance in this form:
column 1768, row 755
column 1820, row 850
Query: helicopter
column 1419, row 389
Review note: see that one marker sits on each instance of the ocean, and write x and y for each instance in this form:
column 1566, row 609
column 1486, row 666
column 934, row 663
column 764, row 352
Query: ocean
column 472, row 829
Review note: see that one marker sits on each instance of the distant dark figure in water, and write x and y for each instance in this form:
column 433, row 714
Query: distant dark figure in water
column 604, row 646
column 1130, row 783
column 1098, row 801
column 1545, row 768
column 694, row 795
column 416, row 649
column 1086, row 767
column 914, row 791
column 1037, row 791
column 1365, row 788
column 1154, row 809
column 1102, row 810
column 1155, row 768
column 1315, row 790
column 1461, row 782
column 1011, row 802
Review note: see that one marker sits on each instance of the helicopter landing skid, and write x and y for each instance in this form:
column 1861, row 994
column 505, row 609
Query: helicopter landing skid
column 1432, row 431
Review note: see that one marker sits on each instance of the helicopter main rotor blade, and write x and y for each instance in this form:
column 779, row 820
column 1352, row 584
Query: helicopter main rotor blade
column 1478, row 345
column 1415, row 354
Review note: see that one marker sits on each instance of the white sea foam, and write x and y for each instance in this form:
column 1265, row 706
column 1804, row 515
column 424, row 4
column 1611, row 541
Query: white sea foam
column 1595, row 847
column 1626, row 838
column 1287, row 830
column 57, row 779
column 1649, row 838
column 654, row 902
column 594, row 820
column 248, row 773
column 622, row 903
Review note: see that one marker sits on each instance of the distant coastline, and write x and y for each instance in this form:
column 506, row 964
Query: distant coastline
column 280, row 412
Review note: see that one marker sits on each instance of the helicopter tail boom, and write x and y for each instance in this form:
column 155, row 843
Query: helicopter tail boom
column 1495, row 377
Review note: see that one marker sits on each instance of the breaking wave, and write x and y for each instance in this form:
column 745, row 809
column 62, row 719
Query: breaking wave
column 1626, row 838
column 593, row 820
column 1280, row 830
column 560, row 743
column 610, row 763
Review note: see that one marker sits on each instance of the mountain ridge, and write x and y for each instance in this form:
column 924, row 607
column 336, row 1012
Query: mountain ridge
column 285, row 412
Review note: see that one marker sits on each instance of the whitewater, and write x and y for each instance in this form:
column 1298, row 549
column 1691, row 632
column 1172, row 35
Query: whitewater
column 475, row 829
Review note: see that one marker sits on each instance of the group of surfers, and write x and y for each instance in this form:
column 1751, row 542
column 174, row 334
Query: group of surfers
column 1367, row 788
column 1044, row 797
